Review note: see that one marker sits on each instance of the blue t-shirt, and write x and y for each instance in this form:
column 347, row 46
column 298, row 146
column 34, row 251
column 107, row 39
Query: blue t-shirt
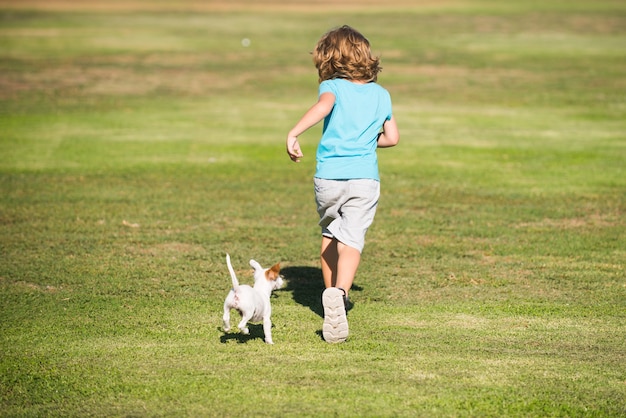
column 347, row 149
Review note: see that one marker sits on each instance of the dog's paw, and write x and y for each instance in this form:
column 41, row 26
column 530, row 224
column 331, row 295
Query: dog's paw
column 269, row 342
column 245, row 331
column 226, row 329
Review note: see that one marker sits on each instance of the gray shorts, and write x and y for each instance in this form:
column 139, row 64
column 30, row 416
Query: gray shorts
column 346, row 208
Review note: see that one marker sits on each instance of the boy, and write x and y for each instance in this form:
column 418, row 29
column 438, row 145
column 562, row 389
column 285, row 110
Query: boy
column 357, row 120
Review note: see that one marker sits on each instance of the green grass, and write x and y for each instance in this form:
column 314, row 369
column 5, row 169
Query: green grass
column 140, row 142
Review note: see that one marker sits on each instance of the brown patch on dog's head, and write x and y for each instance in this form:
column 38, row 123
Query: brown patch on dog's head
column 273, row 272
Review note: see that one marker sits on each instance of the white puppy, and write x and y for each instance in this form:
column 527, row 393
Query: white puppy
column 253, row 303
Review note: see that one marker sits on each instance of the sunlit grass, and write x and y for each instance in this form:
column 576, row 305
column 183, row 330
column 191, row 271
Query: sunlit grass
column 141, row 141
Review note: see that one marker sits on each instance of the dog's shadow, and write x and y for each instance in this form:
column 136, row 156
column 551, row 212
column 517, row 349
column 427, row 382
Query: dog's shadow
column 306, row 284
column 256, row 333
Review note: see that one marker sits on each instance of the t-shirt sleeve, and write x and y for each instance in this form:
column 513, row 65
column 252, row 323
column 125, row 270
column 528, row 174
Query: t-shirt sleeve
column 327, row 86
column 390, row 112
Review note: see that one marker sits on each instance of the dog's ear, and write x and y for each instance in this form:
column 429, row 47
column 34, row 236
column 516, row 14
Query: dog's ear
column 273, row 273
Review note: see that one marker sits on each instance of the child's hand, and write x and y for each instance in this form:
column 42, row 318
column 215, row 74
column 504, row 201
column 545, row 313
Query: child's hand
column 293, row 149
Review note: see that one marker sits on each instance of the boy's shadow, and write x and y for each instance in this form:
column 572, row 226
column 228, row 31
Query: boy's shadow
column 306, row 284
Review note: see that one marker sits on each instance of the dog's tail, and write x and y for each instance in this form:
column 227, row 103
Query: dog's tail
column 232, row 273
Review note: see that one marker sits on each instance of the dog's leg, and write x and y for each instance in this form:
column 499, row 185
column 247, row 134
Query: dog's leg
column 244, row 321
column 226, row 317
column 267, row 329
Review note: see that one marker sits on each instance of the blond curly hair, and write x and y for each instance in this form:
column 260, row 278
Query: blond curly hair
column 345, row 53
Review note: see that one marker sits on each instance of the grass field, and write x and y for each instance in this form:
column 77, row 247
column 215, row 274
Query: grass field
column 140, row 141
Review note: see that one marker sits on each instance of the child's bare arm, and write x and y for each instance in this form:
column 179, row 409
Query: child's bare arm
column 390, row 136
column 312, row 117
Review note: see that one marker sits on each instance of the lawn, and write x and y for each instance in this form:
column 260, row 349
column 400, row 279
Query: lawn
column 141, row 141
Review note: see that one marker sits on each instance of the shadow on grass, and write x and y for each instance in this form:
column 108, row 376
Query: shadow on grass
column 256, row 333
column 307, row 285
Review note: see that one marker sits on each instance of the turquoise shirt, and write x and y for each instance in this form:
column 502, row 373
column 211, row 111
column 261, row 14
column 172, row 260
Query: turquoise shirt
column 347, row 149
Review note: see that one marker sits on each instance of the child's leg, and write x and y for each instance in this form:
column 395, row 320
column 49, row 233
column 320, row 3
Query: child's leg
column 347, row 265
column 339, row 263
column 329, row 259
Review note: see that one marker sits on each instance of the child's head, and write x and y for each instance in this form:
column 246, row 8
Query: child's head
column 345, row 53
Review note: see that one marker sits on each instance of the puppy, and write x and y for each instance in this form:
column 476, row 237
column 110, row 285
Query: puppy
column 253, row 303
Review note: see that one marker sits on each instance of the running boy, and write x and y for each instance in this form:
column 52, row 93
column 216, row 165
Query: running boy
column 357, row 120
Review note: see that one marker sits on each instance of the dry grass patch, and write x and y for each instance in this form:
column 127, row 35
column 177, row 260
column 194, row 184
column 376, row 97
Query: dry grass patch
column 165, row 74
column 595, row 220
column 300, row 6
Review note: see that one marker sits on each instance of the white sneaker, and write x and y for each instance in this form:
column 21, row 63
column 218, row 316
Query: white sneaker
column 335, row 328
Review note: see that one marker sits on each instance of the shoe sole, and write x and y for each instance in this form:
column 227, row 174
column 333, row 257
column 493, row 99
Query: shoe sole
column 335, row 328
